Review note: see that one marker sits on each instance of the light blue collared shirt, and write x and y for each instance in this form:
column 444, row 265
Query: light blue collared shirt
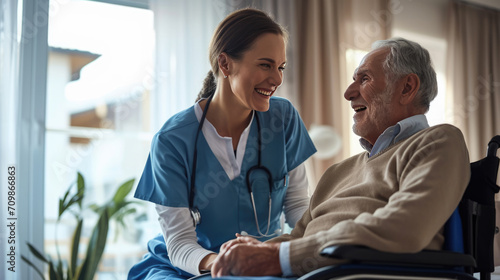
column 390, row 136
column 395, row 133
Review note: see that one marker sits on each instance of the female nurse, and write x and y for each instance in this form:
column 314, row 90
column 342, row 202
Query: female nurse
column 233, row 162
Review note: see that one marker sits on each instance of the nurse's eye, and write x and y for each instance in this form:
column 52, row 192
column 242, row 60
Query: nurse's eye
column 265, row 65
column 282, row 68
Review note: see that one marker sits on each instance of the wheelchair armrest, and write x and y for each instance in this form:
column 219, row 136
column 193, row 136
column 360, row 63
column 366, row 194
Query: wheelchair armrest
column 362, row 254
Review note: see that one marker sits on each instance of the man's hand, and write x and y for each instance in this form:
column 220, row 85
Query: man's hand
column 247, row 256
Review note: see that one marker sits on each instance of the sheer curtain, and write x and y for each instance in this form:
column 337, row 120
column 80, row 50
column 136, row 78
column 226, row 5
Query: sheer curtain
column 9, row 54
column 473, row 74
column 183, row 32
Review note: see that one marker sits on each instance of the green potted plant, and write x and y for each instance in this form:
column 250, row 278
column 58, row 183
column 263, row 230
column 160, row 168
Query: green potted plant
column 117, row 208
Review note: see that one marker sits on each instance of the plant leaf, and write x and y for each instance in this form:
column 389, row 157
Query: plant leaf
column 96, row 246
column 120, row 216
column 33, row 266
column 59, row 270
column 68, row 274
column 77, row 198
column 75, row 245
column 81, row 188
column 115, row 208
column 62, row 203
column 123, row 191
column 37, row 253
column 94, row 207
column 52, row 272
column 78, row 274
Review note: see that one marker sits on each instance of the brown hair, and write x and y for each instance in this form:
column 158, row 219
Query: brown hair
column 234, row 36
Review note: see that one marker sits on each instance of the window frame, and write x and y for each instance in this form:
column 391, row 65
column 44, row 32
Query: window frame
column 31, row 129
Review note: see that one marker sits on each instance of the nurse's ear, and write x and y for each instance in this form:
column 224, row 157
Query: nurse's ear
column 224, row 64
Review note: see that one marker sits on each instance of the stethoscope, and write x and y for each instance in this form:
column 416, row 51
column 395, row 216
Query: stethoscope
column 195, row 213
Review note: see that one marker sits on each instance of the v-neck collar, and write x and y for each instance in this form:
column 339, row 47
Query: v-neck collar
column 222, row 147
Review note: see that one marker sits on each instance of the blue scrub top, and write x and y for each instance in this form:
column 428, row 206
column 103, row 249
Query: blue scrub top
column 225, row 204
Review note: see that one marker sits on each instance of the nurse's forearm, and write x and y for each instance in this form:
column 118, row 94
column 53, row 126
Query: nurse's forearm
column 206, row 262
column 180, row 238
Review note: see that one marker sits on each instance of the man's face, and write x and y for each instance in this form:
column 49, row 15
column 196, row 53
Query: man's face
column 373, row 100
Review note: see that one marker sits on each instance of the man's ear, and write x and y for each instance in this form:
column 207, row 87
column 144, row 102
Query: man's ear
column 411, row 84
column 224, row 62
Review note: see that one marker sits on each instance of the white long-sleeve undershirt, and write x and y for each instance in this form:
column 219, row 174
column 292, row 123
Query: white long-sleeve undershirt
column 176, row 222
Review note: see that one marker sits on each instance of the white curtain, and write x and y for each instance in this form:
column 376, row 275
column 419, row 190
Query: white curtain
column 9, row 55
column 183, row 32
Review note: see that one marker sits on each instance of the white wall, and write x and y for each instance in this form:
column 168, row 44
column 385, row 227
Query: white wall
column 427, row 17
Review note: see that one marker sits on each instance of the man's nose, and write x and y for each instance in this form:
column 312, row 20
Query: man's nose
column 351, row 92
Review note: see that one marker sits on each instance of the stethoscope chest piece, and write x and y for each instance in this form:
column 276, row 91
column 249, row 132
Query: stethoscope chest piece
column 195, row 214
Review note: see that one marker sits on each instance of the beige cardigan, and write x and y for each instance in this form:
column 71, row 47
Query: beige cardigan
column 395, row 201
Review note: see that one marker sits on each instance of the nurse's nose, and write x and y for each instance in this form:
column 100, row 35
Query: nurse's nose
column 276, row 77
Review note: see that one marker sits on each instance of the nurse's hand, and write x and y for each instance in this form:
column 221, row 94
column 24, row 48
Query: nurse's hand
column 248, row 259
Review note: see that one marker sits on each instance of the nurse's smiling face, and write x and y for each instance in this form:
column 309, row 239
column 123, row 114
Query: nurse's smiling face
column 255, row 77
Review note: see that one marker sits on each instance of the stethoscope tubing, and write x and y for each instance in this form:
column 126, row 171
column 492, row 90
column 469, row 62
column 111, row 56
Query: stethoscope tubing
column 195, row 213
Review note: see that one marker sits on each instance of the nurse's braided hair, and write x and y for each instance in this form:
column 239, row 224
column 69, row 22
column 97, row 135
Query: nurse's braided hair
column 235, row 35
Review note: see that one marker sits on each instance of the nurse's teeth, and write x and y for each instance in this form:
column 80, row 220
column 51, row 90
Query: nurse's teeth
column 263, row 92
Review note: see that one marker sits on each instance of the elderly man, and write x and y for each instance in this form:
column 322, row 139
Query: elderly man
column 394, row 197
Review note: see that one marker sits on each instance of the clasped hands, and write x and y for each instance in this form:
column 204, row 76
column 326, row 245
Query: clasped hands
column 247, row 256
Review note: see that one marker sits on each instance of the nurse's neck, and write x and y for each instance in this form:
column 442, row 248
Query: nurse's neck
column 228, row 118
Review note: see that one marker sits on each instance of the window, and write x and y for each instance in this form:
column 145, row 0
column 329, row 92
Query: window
column 99, row 78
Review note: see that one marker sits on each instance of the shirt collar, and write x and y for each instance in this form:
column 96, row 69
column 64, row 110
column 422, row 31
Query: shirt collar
column 396, row 133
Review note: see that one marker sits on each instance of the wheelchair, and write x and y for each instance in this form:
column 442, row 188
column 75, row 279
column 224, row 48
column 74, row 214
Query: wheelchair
column 468, row 248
